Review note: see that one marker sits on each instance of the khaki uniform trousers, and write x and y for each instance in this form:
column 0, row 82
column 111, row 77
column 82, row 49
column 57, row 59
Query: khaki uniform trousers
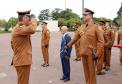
column 121, row 56
column 100, row 61
column 89, row 69
column 23, row 73
column 107, row 57
column 45, row 54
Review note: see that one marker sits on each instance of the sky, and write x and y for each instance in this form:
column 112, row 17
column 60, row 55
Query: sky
column 102, row 8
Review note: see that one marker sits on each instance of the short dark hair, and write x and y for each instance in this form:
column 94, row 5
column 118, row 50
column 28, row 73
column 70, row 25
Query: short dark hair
column 45, row 22
column 78, row 23
column 20, row 17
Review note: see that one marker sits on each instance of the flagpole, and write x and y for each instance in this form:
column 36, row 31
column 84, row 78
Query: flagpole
column 65, row 4
column 82, row 7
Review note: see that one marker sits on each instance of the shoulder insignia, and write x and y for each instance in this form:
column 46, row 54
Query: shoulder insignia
column 80, row 31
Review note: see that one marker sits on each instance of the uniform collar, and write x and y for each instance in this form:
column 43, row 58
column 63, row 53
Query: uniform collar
column 89, row 23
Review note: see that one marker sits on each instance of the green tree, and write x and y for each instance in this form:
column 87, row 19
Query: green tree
column 7, row 26
column 61, row 22
column 12, row 22
column 70, row 17
column 68, row 14
column 56, row 13
column 3, row 23
column 65, row 17
column 44, row 14
column 71, row 23
column 97, row 20
column 119, row 13
column 118, row 20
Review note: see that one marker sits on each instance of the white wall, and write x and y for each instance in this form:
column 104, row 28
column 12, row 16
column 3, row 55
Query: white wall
column 52, row 25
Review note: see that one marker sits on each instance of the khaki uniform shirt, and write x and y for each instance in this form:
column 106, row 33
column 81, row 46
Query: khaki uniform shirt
column 45, row 37
column 119, row 40
column 91, row 37
column 109, row 36
column 21, row 45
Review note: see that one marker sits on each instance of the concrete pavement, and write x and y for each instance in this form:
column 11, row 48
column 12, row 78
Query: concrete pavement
column 52, row 74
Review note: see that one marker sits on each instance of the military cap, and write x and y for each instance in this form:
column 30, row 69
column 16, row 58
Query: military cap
column 102, row 21
column 107, row 20
column 88, row 10
column 44, row 22
column 22, row 13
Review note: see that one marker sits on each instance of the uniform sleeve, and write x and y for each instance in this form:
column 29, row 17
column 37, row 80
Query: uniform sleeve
column 77, row 36
column 12, row 45
column 118, row 38
column 47, row 37
column 100, row 38
column 34, row 21
column 112, row 36
column 25, row 30
column 77, row 44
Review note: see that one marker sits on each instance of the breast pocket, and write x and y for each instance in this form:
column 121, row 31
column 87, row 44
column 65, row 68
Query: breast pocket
column 90, row 40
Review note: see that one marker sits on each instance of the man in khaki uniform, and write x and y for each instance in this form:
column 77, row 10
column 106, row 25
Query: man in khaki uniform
column 100, row 60
column 113, row 29
column 109, row 36
column 77, row 44
column 119, row 41
column 45, row 44
column 91, row 38
column 21, row 45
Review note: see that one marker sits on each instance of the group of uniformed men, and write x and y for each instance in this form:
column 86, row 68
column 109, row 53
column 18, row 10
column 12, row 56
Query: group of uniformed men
column 96, row 41
column 93, row 46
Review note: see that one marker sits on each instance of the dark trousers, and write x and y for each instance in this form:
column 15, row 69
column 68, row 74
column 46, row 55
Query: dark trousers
column 65, row 68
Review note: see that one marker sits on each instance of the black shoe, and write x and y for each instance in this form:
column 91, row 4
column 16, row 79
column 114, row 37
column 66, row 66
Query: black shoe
column 104, row 67
column 46, row 65
column 43, row 65
column 77, row 59
column 61, row 78
column 107, row 68
column 66, row 80
column 101, row 73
